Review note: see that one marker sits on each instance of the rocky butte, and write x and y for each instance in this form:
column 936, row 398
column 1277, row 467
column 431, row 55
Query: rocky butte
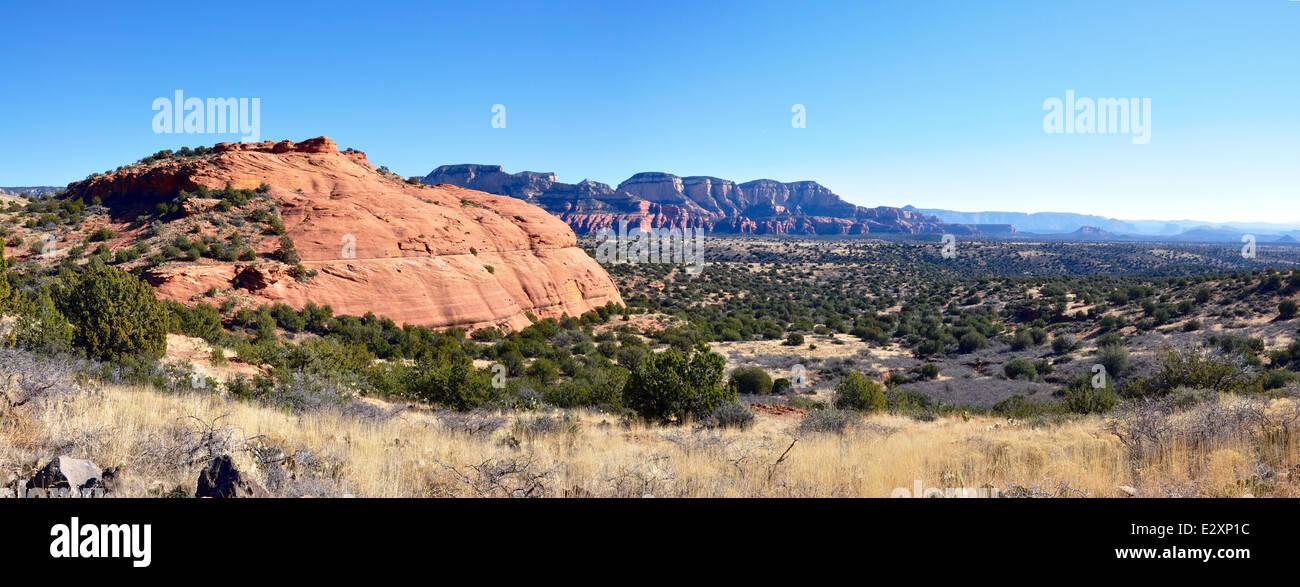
column 437, row 256
column 655, row 200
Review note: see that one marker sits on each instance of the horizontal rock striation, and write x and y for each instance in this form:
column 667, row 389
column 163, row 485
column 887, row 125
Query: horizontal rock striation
column 655, row 200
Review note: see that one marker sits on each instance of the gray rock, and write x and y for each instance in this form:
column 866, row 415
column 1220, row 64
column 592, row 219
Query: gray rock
column 66, row 473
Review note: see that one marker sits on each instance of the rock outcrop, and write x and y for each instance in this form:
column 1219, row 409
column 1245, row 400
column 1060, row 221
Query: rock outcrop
column 75, row 476
column 435, row 256
column 222, row 480
column 654, row 200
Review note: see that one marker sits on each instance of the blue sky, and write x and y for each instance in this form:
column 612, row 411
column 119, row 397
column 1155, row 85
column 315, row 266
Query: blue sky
column 936, row 104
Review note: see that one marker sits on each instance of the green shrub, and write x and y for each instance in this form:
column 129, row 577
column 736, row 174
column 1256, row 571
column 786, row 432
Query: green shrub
column 1186, row 397
column 1017, row 407
column 1109, row 339
column 1063, row 344
column 543, row 370
column 1279, row 378
column 671, row 386
column 288, row 252
column 793, row 339
column 1019, row 368
column 4, row 282
column 751, row 381
column 1199, row 369
column 1082, row 398
column 200, row 320
column 972, row 341
column 909, row 403
column 859, row 393
column 41, row 327
column 115, row 315
column 450, row 381
column 1114, row 358
column 929, row 371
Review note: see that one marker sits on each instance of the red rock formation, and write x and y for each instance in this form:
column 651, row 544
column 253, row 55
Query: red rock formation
column 653, row 200
column 434, row 256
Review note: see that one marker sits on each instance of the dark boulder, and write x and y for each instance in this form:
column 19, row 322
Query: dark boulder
column 223, row 480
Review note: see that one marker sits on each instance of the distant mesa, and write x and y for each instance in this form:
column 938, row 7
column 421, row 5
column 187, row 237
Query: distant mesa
column 1070, row 226
column 1088, row 233
column 1037, row 222
column 656, row 200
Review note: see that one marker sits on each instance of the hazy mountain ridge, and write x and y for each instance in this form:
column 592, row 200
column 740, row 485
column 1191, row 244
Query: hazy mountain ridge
column 1094, row 227
column 31, row 191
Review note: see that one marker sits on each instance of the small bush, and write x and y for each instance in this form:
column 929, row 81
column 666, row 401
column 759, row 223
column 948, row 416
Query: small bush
column 858, row 392
column 971, row 342
column 1019, row 368
column 1064, row 344
column 929, row 371
column 544, row 425
column 828, row 421
column 101, row 234
column 1114, row 358
column 1227, row 373
column 1082, row 398
column 729, row 415
column 751, row 381
column 41, row 327
column 671, row 386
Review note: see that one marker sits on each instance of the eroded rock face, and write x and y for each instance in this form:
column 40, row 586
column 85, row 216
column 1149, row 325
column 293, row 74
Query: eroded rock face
column 654, row 200
column 427, row 255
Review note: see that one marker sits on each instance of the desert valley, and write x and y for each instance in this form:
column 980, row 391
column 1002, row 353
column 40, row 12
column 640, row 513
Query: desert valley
column 288, row 319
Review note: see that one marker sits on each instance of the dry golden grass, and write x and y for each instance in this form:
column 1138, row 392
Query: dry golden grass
column 415, row 454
